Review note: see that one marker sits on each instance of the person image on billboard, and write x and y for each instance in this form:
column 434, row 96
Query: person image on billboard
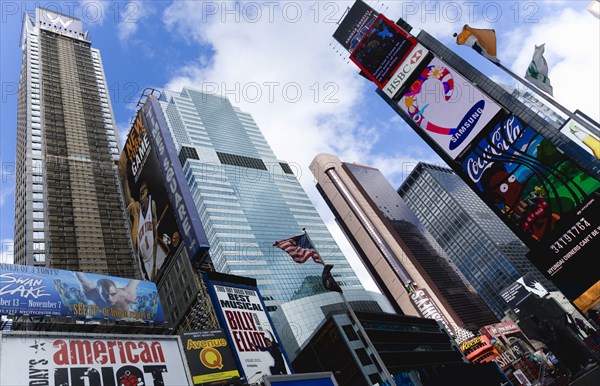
column 273, row 349
column 106, row 294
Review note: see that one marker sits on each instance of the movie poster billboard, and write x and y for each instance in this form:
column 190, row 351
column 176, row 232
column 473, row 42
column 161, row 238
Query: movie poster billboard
column 154, row 231
column 41, row 291
column 382, row 49
column 549, row 201
column 449, row 109
column 56, row 359
column 169, row 166
column 355, row 25
column 247, row 324
column 209, row 357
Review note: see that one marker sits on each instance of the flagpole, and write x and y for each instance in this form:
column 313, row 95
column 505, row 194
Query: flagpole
column 548, row 99
column 354, row 320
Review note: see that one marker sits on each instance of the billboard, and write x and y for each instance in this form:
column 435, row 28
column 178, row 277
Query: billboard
column 355, row 25
column 500, row 329
column 416, row 59
column 382, row 49
column 58, row 21
column 520, row 290
column 429, row 309
column 209, row 357
column 582, row 136
column 154, row 231
column 254, row 341
column 89, row 359
column 41, row 291
column 550, row 202
column 449, row 109
column 183, row 205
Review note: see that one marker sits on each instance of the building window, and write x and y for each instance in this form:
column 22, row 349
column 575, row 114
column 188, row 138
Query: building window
column 363, row 356
column 350, row 333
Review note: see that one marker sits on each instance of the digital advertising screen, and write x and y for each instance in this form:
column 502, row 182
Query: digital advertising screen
column 382, row 49
column 209, row 357
column 41, row 291
column 247, row 324
column 154, row 231
column 355, row 25
column 588, row 141
column 549, row 201
column 449, row 109
column 91, row 359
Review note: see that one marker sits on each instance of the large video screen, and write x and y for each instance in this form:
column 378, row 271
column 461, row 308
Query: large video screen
column 383, row 48
column 355, row 25
column 549, row 201
column 447, row 107
column 41, row 291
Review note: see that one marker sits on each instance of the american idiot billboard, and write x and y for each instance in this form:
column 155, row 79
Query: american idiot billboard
column 209, row 357
column 169, row 166
column 354, row 26
column 381, row 51
column 155, row 234
column 41, row 291
column 549, row 201
column 247, row 324
column 447, row 107
column 58, row 359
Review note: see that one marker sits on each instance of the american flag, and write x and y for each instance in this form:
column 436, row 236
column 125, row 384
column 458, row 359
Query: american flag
column 300, row 248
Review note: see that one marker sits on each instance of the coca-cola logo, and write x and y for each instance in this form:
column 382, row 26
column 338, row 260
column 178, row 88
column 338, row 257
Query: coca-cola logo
column 498, row 142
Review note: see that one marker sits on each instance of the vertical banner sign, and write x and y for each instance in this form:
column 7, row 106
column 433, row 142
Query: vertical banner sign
column 449, row 109
column 169, row 167
column 41, row 291
column 86, row 360
column 154, row 231
column 428, row 309
column 383, row 48
column 251, row 333
column 550, row 202
column 355, row 25
column 209, row 357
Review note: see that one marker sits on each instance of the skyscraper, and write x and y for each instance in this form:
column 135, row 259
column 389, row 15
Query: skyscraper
column 485, row 250
column 404, row 259
column 68, row 207
column 247, row 199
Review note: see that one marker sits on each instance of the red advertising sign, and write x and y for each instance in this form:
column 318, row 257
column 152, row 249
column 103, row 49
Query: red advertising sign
column 53, row 360
column 381, row 51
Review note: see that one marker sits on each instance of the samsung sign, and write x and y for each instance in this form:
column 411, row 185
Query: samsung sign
column 406, row 69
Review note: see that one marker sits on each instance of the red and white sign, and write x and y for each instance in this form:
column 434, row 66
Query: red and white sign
column 498, row 329
column 53, row 360
column 405, row 70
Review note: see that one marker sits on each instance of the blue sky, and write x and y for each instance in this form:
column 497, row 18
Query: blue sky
column 278, row 61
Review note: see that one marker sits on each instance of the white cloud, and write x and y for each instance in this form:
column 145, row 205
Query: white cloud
column 133, row 13
column 572, row 39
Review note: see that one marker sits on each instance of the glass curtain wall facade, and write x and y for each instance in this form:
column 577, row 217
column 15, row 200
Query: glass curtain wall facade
column 247, row 199
column 68, row 205
column 485, row 250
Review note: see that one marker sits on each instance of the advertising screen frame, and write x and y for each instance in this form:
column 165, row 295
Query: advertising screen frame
column 41, row 291
column 391, row 61
column 27, row 356
column 258, row 361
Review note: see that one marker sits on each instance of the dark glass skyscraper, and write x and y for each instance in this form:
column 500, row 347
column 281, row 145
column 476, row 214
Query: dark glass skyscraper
column 393, row 244
column 68, row 206
column 485, row 250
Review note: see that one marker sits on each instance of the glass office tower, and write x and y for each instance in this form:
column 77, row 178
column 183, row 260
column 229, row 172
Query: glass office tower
column 489, row 254
column 247, row 199
column 68, row 205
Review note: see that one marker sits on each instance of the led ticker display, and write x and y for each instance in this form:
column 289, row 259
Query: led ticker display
column 449, row 109
column 355, row 25
column 383, row 48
